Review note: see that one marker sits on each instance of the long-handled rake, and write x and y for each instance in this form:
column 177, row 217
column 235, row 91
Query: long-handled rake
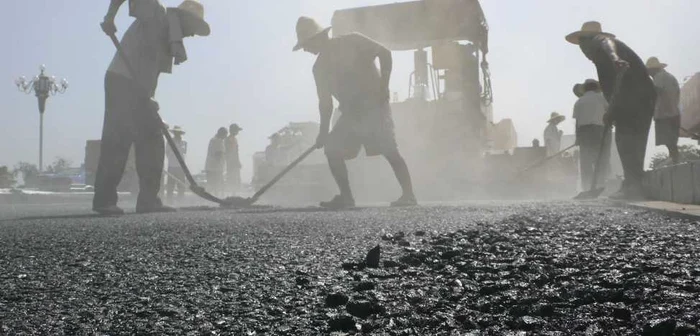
column 199, row 191
column 235, row 202
column 230, row 202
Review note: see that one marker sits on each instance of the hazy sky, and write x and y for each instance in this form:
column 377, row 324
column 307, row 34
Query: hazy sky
column 245, row 71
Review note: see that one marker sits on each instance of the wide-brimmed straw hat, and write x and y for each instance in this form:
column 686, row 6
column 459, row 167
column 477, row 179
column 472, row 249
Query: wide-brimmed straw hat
column 556, row 118
column 589, row 29
column 653, row 63
column 177, row 130
column 192, row 11
column 590, row 81
column 307, row 29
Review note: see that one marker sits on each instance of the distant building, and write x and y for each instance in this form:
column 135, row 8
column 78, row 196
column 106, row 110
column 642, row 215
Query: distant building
column 690, row 104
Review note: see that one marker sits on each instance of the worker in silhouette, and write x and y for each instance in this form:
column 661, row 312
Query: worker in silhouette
column 633, row 108
column 215, row 165
column 150, row 45
column 667, row 115
column 233, row 160
column 552, row 133
column 589, row 112
column 345, row 70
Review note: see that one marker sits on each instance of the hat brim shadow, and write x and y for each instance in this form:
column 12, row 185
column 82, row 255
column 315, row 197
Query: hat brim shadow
column 201, row 27
column 300, row 44
column 575, row 37
column 557, row 120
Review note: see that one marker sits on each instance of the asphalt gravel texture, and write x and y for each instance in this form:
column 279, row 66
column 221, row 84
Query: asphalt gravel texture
column 490, row 268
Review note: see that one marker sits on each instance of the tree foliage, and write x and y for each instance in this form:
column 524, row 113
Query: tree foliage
column 687, row 153
column 29, row 171
column 59, row 165
column 7, row 178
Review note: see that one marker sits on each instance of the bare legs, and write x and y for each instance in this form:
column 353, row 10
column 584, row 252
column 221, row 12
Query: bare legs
column 340, row 173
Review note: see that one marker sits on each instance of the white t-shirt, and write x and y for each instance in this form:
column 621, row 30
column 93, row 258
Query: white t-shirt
column 669, row 95
column 552, row 139
column 590, row 109
column 146, row 43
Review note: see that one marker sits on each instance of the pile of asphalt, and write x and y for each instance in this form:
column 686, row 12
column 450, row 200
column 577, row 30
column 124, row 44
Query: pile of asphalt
column 544, row 268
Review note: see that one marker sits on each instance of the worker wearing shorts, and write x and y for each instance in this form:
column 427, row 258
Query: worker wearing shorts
column 345, row 70
column 667, row 114
column 373, row 130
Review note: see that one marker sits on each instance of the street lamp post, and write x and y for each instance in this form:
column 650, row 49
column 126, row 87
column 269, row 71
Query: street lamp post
column 43, row 87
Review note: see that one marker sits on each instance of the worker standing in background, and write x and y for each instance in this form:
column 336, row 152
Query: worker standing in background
column 215, row 165
column 345, row 69
column 589, row 112
column 150, row 46
column 175, row 171
column 667, row 115
column 233, row 160
column 633, row 108
column 552, row 134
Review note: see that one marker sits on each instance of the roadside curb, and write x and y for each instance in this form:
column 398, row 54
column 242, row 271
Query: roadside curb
column 57, row 198
column 684, row 210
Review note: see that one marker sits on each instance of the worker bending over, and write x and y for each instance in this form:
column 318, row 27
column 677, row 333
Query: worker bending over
column 345, row 69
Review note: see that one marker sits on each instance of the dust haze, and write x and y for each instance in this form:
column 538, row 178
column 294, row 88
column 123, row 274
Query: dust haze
column 460, row 138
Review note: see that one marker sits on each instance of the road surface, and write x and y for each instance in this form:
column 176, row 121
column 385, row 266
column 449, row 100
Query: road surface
column 447, row 269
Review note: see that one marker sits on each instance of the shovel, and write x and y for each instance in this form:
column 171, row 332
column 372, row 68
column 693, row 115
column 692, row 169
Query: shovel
column 234, row 202
column 594, row 192
column 196, row 189
column 177, row 180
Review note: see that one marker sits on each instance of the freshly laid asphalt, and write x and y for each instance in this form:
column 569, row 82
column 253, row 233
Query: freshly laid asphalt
column 268, row 270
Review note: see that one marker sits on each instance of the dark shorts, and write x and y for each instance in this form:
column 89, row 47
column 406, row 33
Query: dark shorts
column 667, row 130
column 373, row 130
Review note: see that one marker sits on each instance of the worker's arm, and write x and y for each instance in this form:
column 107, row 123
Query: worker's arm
column 386, row 64
column 386, row 61
column 659, row 89
column 219, row 152
column 660, row 84
column 235, row 154
column 575, row 116
column 325, row 104
column 610, row 49
column 108, row 24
